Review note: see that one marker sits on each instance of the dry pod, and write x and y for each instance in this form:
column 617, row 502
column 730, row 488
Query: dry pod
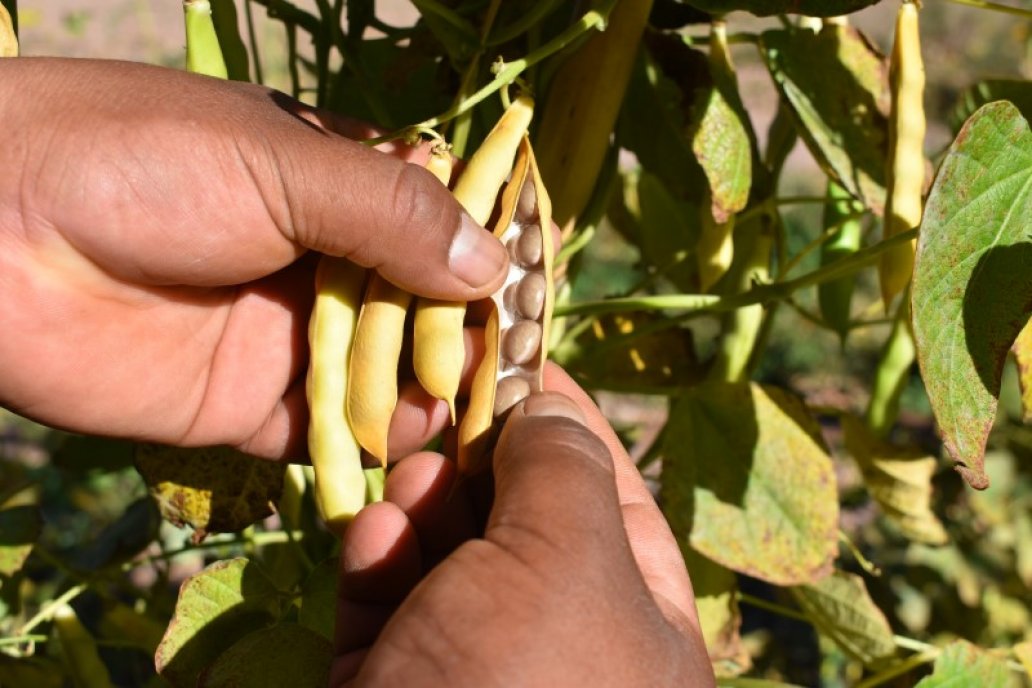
column 516, row 334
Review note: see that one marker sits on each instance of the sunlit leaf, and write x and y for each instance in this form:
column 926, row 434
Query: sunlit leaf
column 748, row 481
column 19, row 528
column 843, row 610
column 842, row 108
column 715, row 590
column 285, row 655
column 766, row 8
column 1023, row 355
column 961, row 664
column 899, row 479
column 972, row 288
column 216, row 607
column 212, row 489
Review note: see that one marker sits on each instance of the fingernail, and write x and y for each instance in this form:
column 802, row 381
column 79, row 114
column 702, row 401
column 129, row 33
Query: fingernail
column 552, row 404
column 475, row 256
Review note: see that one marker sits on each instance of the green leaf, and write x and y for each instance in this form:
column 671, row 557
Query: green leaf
column 1017, row 91
column 212, row 489
column 972, row 288
column 669, row 231
column 749, row 483
column 841, row 109
column 842, row 609
column 961, row 665
column 319, row 598
column 767, row 8
column 715, row 599
column 899, row 479
column 284, row 655
column 216, row 607
column 19, row 528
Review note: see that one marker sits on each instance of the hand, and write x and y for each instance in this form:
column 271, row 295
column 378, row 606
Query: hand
column 153, row 225
column 576, row 579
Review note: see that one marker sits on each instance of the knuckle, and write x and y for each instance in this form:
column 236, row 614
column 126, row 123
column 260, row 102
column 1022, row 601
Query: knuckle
column 414, row 204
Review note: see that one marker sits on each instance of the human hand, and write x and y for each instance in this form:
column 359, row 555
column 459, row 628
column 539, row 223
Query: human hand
column 152, row 231
column 575, row 580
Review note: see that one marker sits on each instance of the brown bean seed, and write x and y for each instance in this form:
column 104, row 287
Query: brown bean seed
column 521, row 342
column 510, row 391
column 526, row 205
column 529, row 299
column 528, row 246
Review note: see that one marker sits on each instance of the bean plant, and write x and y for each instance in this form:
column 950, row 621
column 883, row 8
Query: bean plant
column 859, row 516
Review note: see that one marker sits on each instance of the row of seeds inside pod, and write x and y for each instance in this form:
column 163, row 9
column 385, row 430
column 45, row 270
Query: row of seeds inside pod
column 522, row 305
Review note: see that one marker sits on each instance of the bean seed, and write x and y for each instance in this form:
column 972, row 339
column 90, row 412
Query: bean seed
column 522, row 341
column 511, row 391
column 528, row 247
column 526, row 206
column 529, row 297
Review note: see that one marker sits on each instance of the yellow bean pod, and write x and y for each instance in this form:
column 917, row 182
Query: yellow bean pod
column 340, row 485
column 373, row 366
column 903, row 205
column 439, row 347
column 8, row 38
column 516, row 334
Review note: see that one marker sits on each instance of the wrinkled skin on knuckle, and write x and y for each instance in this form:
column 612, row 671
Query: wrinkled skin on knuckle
column 419, row 204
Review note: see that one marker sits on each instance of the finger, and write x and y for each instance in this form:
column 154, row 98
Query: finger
column 261, row 184
column 419, row 417
column 655, row 550
column 423, row 486
column 555, row 487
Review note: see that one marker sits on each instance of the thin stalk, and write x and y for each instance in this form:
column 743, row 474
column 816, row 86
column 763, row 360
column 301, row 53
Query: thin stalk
column 812, row 246
column 865, row 563
column 22, row 639
column 594, row 19
column 995, row 7
column 780, row 610
column 892, row 373
column 899, row 669
column 252, row 37
column 758, row 294
column 46, row 613
column 295, row 76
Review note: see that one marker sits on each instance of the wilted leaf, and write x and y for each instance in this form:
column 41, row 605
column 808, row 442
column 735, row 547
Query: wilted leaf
column 899, row 479
column 841, row 108
column 216, row 607
column 319, row 598
column 284, row 655
column 212, row 489
column 19, row 528
column 843, row 610
column 1017, row 91
column 972, row 288
column 1023, row 355
column 750, row 484
column 961, row 664
column 715, row 589
column 766, row 8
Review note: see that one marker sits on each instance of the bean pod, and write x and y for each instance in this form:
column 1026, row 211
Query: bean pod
column 516, row 333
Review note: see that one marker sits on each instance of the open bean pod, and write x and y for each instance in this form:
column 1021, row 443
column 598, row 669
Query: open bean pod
column 516, row 334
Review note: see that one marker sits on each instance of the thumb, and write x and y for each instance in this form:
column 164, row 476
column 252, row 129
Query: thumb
column 385, row 213
column 555, row 484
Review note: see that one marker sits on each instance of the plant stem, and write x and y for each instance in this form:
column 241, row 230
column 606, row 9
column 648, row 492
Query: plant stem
column 823, row 237
column 995, row 7
column 19, row 639
column 899, row 669
column 593, row 19
column 780, row 610
column 758, row 294
column 50, row 608
column 892, row 373
column 252, row 37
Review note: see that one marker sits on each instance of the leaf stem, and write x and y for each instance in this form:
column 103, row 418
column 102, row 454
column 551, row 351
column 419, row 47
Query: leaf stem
column 20, row 639
column 773, row 607
column 47, row 611
column 995, row 7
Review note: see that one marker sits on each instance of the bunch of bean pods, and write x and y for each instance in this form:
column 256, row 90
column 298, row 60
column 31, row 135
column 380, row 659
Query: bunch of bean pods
column 358, row 327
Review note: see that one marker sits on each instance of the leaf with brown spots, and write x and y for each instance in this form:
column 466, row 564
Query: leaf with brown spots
column 972, row 288
column 748, row 482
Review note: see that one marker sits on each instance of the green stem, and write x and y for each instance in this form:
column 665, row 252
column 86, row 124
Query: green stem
column 252, row 37
column 891, row 375
column 203, row 54
column 593, row 19
column 295, row 76
column 224, row 17
column 899, row 669
column 46, row 613
column 812, row 246
column 780, row 610
column 995, row 7
column 259, row 539
column 758, row 294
